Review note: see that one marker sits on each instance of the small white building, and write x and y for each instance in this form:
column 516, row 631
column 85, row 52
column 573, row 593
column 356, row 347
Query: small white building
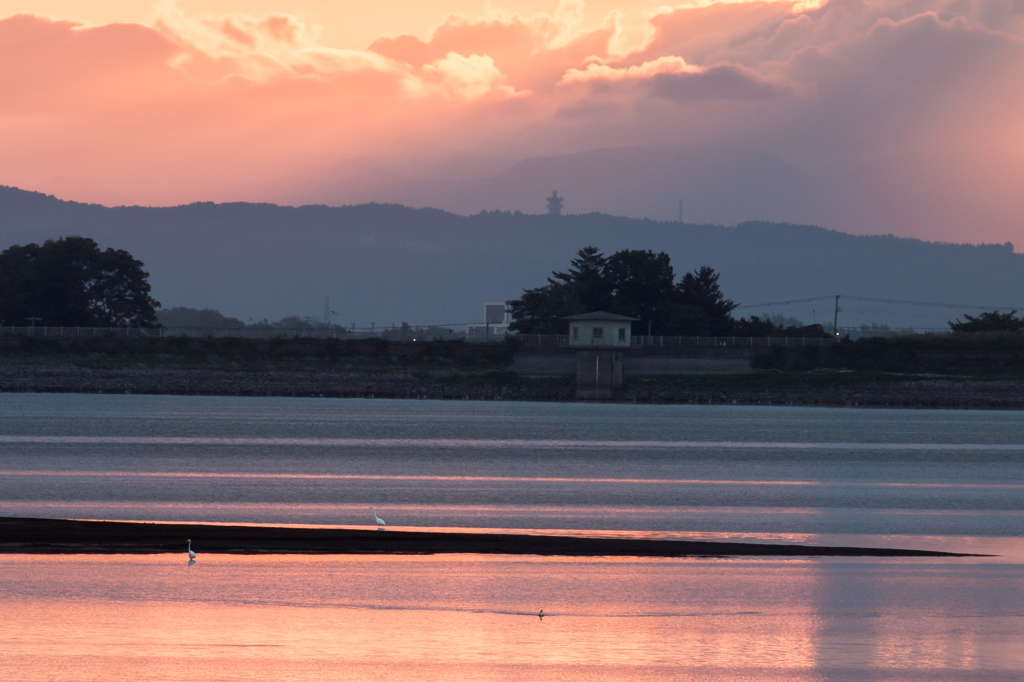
column 600, row 329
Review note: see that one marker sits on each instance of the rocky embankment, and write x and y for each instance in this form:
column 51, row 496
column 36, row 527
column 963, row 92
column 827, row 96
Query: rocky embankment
column 365, row 383
column 930, row 393
column 321, row 382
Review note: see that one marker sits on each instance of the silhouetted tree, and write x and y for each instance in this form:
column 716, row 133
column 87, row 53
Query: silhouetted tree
column 776, row 325
column 642, row 285
column 706, row 310
column 71, row 283
column 583, row 288
column 207, row 318
column 586, row 285
column 635, row 283
column 755, row 326
column 994, row 321
column 540, row 310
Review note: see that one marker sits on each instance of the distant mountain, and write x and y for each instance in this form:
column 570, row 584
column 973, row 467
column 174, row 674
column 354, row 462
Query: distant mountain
column 387, row 263
column 719, row 185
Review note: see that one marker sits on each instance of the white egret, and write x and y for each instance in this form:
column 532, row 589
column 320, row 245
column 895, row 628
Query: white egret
column 379, row 520
column 191, row 554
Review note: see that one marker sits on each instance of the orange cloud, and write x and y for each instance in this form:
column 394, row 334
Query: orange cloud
column 533, row 52
column 673, row 78
column 906, row 93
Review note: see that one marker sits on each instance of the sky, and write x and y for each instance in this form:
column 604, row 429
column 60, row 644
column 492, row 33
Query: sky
column 884, row 116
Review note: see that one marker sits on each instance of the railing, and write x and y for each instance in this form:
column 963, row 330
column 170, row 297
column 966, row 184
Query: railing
column 193, row 332
column 341, row 333
column 741, row 341
column 638, row 341
column 542, row 339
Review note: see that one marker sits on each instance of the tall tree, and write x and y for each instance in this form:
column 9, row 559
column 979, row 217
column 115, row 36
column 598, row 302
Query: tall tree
column 583, row 288
column 71, row 283
column 707, row 312
column 586, row 284
column 642, row 285
column 634, row 283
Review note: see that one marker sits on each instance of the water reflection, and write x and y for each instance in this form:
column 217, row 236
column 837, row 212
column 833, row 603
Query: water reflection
column 512, row 443
column 465, row 617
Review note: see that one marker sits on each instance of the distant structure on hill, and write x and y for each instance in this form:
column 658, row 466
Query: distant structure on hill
column 425, row 265
column 555, row 204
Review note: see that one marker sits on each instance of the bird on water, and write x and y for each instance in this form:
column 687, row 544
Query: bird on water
column 541, row 614
column 191, row 554
column 379, row 520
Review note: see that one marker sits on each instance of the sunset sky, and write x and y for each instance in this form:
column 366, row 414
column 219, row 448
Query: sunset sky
column 902, row 116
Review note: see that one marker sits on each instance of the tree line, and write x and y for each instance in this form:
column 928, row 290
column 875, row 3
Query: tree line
column 639, row 284
column 70, row 282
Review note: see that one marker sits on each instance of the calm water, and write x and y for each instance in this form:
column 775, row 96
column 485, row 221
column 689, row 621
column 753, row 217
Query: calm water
column 943, row 479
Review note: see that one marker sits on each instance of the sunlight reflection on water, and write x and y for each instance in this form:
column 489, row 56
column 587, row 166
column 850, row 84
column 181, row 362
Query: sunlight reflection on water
column 943, row 480
column 327, row 617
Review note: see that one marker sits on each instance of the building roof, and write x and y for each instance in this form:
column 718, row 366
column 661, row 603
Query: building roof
column 601, row 316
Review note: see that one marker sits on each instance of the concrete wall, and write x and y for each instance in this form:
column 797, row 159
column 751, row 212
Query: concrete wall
column 599, row 375
column 640, row 366
column 544, row 365
column 564, row 364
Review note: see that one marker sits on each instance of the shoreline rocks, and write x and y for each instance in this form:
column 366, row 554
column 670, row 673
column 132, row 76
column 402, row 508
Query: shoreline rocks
column 933, row 393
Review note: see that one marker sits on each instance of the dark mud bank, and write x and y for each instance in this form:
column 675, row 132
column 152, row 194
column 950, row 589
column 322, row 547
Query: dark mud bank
column 58, row 536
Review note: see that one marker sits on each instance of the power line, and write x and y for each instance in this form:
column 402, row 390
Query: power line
column 799, row 300
column 890, row 301
column 934, row 305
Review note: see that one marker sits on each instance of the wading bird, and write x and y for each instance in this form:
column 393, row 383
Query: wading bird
column 379, row 520
column 191, row 554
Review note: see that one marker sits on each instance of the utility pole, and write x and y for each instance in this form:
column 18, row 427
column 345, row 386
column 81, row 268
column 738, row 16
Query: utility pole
column 835, row 322
column 327, row 311
column 680, row 210
column 33, row 320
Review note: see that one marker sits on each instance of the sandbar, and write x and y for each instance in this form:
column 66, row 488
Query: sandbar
column 63, row 536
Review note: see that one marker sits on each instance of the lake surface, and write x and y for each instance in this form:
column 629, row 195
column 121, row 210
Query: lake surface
column 949, row 480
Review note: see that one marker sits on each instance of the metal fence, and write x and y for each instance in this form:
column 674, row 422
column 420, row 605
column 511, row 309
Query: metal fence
column 341, row 333
column 741, row 341
column 192, row 332
column 736, row 341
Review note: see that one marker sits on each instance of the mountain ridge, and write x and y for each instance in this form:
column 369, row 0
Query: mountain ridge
column 386, row 263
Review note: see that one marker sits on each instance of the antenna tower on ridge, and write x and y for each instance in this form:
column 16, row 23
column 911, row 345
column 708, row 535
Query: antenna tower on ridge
column 555, row 204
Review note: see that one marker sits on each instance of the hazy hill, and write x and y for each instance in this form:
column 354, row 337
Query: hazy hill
column 720, row 185
column 389, row 263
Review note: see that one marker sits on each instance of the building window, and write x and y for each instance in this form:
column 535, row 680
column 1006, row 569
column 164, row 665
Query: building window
column 598, row 334
column 622, row 334
column 575, row 333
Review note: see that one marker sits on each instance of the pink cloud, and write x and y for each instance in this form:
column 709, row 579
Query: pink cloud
column 896, row 103
column 533, row 52
column 673, row 78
